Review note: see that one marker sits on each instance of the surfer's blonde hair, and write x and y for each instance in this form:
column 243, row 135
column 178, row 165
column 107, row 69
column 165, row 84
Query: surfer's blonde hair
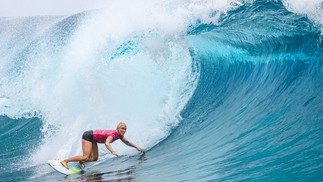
column 121, row 123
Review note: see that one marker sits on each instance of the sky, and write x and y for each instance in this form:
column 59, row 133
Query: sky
column 10, row 8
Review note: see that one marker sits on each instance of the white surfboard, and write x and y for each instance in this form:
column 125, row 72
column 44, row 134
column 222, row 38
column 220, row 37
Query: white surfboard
column 73, row 167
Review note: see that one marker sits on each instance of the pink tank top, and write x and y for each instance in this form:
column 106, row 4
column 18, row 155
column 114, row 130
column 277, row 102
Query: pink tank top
column 100, row 136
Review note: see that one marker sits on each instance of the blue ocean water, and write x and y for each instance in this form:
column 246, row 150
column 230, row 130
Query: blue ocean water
column 224, row 91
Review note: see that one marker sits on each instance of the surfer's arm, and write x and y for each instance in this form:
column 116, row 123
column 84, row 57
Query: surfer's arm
column 108, row 145
column 127, row 142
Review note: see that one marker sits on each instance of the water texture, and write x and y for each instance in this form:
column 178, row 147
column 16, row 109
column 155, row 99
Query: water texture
column 213, row 90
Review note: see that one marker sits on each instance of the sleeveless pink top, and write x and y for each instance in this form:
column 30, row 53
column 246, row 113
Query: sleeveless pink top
column 100, row 136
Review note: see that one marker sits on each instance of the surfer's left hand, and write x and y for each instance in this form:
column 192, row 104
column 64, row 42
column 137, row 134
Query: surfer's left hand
column 114, row 153
column 140, row 149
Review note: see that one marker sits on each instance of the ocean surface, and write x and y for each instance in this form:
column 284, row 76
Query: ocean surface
column 213, row 90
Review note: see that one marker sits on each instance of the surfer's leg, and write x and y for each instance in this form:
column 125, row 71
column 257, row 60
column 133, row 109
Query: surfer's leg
column 87, row 150
column 94, row 153
column 93, row 157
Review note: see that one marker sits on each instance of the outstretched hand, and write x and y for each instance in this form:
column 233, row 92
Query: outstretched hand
column 114, row 153
column 140, row 149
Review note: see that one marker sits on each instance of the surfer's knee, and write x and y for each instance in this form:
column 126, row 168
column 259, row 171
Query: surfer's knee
column 86, row 158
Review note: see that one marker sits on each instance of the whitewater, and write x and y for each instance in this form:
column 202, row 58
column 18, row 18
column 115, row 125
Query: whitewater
column 213, row 90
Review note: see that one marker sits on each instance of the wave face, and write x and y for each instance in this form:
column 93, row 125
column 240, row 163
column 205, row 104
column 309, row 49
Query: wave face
column 225, row 91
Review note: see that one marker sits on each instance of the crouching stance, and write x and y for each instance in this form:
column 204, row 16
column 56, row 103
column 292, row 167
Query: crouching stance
column 91, row 138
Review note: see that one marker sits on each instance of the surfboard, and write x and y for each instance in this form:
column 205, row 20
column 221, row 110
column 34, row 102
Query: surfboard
column 73, row 167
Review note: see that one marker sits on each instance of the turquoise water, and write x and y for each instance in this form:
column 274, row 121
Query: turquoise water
column 213, row 92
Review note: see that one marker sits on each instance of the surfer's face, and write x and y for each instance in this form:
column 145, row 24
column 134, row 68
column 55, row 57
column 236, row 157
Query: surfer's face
column 122, row 128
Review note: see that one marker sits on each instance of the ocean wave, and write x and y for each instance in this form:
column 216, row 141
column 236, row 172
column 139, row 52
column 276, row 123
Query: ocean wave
column 214, row 90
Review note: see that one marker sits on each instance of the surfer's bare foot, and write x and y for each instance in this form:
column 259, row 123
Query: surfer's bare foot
column 64, row 164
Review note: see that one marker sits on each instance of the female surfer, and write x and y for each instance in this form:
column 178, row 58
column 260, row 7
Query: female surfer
column 92, row 137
